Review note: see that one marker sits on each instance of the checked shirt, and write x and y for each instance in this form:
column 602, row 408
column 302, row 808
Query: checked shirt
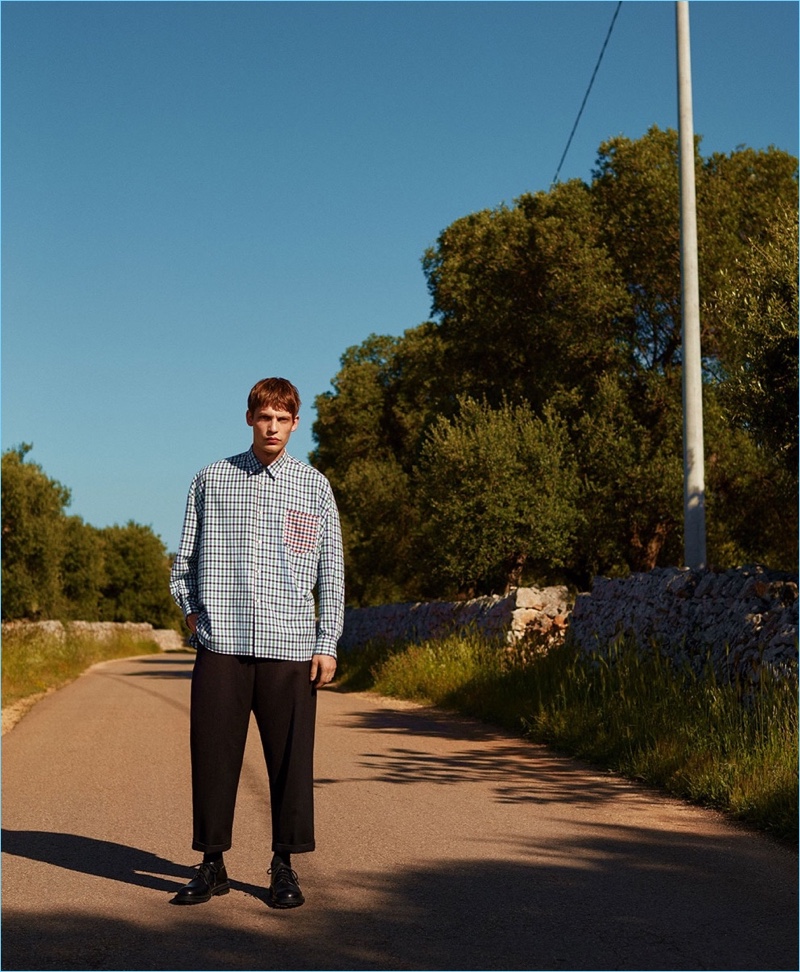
column 257, row 540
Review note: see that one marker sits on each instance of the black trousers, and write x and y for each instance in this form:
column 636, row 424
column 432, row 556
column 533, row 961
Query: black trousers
column 225, row 690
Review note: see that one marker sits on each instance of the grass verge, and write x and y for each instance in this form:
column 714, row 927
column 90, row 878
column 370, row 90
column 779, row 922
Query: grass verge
column 627, row 711
column 36, row 661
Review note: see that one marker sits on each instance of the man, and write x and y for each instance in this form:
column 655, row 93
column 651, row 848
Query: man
column 261, row 531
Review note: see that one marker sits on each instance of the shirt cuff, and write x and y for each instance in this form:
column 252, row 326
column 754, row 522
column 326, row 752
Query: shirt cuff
column 325, row 648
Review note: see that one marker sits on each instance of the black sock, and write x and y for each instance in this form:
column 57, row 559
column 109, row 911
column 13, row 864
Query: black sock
column 214, row 858
column 281, row 857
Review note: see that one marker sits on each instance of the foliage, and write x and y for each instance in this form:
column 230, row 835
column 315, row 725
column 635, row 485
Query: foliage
column 567, row 304
column 629, row 449
column 34, row 540
column 519, row 293
column 83, row 571
column 629, row 711
column 353, row 448
column 56, row 566
column 500, row 489
column 755, row 308
column 378, row 530
column 136, row 584
column 751, row 500
column 757, row 304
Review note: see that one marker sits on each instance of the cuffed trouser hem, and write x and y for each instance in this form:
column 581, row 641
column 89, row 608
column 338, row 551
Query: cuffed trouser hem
column 293, row 848
column 210, row 848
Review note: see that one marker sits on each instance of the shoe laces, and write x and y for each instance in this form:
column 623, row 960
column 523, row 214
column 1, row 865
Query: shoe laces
column 282, row 869
column 208, row 870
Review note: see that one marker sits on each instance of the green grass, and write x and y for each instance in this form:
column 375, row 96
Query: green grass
column 36, row 661
column 628, row 711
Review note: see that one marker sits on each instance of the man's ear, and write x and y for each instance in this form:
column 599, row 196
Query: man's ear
column 296, row 420
column 248, row 418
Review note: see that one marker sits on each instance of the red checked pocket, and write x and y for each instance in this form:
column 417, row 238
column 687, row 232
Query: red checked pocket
column 300, row 531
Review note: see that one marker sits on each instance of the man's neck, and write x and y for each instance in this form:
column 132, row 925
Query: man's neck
column 268, row 459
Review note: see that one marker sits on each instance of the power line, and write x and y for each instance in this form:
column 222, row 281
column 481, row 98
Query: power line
column 586, row 96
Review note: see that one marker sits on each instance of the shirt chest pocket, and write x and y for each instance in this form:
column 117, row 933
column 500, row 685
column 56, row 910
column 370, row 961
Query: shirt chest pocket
column 300, row 531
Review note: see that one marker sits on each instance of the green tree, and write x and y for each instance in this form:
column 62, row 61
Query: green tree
column 757, row 304
column 624, row 315
column 351, row 419
column 568, row 302
column 527, row 297
column 56, row 566
column 751, row 499
column 368, row 431
column 385, row 395
column 378, row 528
column 629, row 453
column 756, row 308
column 33, row 538
column 499, row 490
column 635, row 191
column 136, row 577
column 82, row 570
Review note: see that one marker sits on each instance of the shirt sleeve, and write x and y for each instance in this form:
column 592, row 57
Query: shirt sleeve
column 183, row 575
column 330, row 582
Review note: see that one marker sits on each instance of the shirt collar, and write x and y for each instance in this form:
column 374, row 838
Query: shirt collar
column 255, row 466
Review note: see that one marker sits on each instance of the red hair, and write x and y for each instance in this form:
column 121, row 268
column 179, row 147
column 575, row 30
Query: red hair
column 276, row 393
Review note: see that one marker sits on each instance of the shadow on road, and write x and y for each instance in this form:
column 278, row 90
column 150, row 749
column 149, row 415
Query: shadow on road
column 627, row 899
column 105, row 859
column 419, row 720
column 537, row 774
column 172, row 665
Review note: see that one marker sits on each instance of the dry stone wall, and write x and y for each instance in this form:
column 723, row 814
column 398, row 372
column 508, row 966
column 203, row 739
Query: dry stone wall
column 544, row 610
column 738, row 619
column 165, row 638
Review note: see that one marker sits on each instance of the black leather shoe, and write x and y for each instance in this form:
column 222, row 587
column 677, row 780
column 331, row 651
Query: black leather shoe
column 211, row 879
column 284, row 891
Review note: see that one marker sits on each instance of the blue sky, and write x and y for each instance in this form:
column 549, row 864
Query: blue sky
column 199, row 195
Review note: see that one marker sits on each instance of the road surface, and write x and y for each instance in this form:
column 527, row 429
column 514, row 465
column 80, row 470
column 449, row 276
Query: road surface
column 442, row 844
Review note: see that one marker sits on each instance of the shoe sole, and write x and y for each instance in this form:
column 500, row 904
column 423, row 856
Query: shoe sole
column 196, row 899
column 283, row 905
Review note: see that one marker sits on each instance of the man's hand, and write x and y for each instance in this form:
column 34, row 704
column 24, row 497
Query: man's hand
column 191, row 621
column 323, row 668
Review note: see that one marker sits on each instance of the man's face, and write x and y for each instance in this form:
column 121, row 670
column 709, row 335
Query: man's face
column 271, row 430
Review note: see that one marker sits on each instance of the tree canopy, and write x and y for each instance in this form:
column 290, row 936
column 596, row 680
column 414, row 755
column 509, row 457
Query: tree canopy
column 499, row 490
column 533, row 425
column 56, row 566
column 34, row 537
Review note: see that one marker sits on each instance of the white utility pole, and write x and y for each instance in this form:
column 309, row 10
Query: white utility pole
column 694, row 492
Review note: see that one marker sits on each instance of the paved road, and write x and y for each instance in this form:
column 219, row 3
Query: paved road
column 442, row 845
